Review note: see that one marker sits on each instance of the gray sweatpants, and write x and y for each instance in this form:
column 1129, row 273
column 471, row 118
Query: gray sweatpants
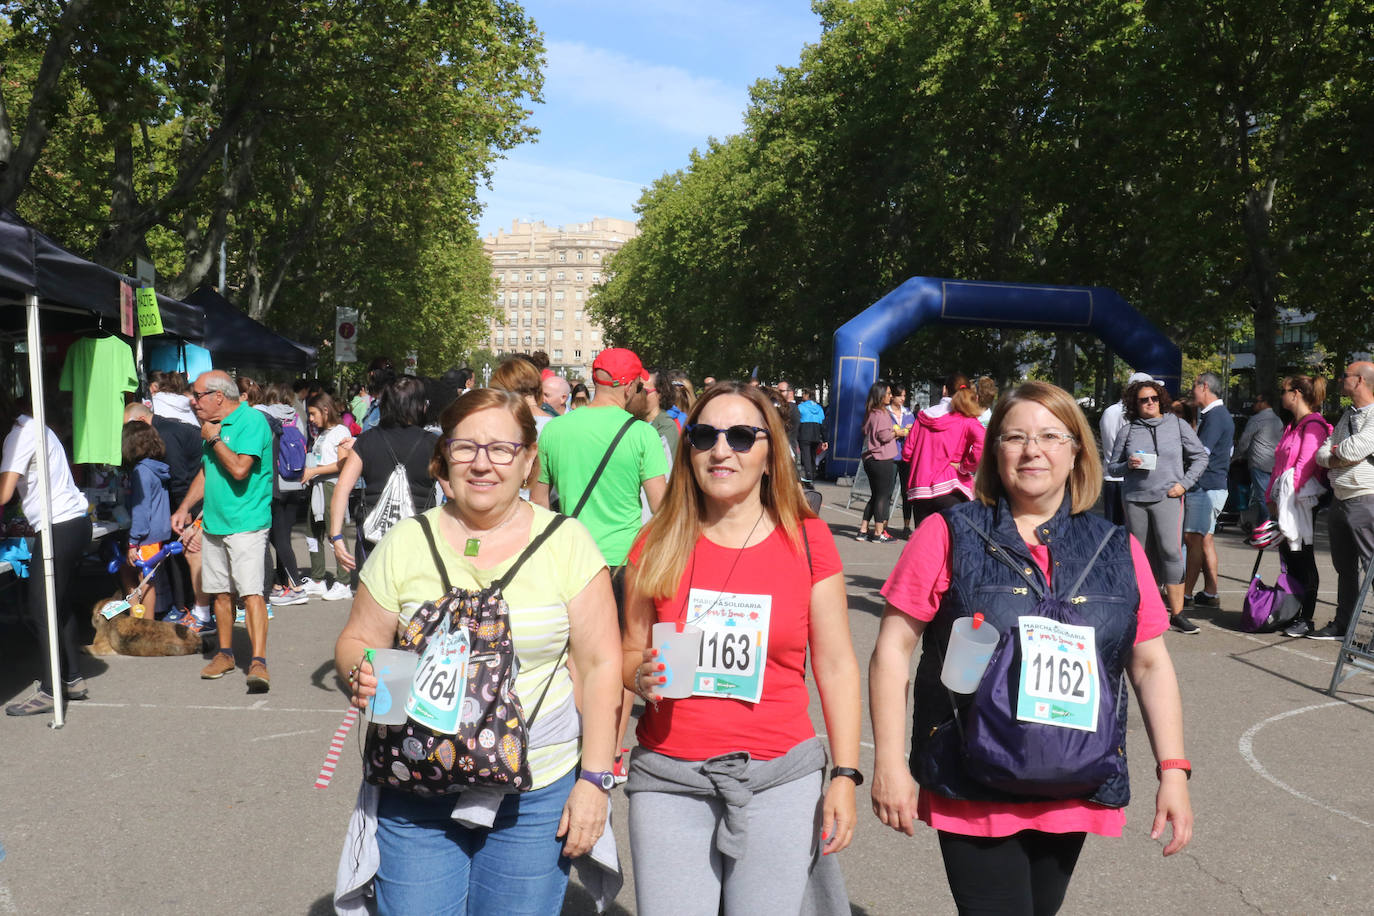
column 1158, row 526
column 679, row 871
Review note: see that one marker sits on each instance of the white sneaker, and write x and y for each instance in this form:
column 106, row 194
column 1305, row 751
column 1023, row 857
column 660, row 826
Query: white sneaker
column 338, row 592
column 312, row 588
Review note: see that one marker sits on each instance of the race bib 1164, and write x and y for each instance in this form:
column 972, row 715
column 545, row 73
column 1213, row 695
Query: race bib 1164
column 734, row 643
column 1059, row 683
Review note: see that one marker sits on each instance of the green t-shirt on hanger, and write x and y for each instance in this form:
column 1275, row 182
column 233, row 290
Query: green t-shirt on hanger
column 97, row 371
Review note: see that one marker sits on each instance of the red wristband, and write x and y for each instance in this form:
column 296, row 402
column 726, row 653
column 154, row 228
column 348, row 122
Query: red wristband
column 1178, row 763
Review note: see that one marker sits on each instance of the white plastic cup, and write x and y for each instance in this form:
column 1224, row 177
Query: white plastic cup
column 395, row 669
column 678, row 653
column 971, row 642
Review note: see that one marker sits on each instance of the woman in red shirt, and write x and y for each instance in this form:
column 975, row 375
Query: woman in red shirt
column 726, row 783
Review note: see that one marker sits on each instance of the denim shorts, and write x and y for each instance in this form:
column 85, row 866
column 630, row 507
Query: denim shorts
column 1200, row 510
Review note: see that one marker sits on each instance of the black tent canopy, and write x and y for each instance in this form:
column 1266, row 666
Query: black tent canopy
column 77, row 294
column 234, row 339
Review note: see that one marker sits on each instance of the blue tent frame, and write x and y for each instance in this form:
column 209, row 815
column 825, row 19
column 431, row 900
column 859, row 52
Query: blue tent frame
column 920, row 301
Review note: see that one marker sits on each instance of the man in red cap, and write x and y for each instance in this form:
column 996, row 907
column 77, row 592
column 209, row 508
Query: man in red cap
column 629, row 454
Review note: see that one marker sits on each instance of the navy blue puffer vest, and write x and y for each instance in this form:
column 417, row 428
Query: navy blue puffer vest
column 982, row 580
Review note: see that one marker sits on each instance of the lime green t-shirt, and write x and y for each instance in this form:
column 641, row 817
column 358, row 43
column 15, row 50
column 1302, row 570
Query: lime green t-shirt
column 400, row 575
column 97, row 371
column 232, row 506
column 571, row 447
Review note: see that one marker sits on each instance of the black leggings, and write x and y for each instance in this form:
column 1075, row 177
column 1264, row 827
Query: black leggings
column 921, row 509
column 1302, row 567
column 881, row 473
column 70, row 540
column 903, row 475
column 808, row 458
column 285, row 509
column 1026, row 874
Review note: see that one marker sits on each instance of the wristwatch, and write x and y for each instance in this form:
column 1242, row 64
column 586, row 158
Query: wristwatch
column 215, row 441
column 603, row 780
column 850, row 772
column 335, row 538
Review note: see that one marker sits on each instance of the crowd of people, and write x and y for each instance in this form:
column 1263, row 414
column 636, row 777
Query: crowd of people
column 553, row 558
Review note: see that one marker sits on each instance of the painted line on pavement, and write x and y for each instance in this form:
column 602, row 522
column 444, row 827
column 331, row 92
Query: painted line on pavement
column 305, row 731
column 1247, row 751
column 256, row 707
column 6, row 899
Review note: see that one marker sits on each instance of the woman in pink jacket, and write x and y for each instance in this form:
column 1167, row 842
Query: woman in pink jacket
column 943, row 453
column 1297, row 452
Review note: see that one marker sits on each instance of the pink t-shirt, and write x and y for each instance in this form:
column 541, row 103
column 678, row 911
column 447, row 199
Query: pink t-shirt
column 916, row 587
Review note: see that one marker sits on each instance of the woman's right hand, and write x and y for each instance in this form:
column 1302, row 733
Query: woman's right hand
column 894, row 798
column 364, row 686
column 343, row 557
column 649, row 676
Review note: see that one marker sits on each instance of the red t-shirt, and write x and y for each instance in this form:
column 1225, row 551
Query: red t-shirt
column 916, row 587
column 696, row 728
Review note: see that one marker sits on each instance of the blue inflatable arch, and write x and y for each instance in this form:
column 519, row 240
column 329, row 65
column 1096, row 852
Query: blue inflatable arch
column 928, row 300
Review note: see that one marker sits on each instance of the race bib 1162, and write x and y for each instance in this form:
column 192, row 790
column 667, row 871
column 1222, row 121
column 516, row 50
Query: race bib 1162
column 1058, row 674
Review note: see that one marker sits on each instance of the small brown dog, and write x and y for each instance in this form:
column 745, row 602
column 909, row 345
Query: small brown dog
column 128, row 635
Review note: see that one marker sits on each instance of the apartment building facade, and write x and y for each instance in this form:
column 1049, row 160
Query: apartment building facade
column 544, row 278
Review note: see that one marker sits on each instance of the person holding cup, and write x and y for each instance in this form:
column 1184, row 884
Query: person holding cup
column 1159, row 457
column 1031, row 522
column 726, row 801
column 560, row 607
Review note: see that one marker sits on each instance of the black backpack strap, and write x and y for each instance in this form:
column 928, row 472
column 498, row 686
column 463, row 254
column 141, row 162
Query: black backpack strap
column 534, row 545
column 529, row 720
column 434, row 552
column 1002, row 555
column 1093, row 559
column 806, row 542
column 605, row 460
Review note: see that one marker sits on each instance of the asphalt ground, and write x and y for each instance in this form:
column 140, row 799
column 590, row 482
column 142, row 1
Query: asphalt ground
column 166, row 794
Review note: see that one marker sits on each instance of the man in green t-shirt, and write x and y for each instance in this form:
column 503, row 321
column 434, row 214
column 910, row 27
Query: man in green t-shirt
column 570, row 450
column 236, row 482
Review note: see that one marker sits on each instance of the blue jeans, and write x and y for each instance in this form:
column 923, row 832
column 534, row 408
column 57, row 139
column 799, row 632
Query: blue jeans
column 432, row 864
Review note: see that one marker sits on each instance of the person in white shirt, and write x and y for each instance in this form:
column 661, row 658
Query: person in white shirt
column 1109, row 428
column 953, row 382
column 1349, row 454
column 71, row 535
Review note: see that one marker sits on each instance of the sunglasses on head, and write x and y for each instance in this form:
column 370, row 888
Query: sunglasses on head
column 703, row 436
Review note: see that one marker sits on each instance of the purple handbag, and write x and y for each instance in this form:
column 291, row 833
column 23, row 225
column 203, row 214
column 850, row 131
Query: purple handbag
column 1029, row 758
column 1270, row 608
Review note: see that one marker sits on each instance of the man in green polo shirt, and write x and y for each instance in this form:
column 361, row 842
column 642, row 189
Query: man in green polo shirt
column 236, row 482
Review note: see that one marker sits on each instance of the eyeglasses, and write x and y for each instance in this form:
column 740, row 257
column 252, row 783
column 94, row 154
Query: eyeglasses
column 1148, row 399
column 1049, row 440
column 703, row 437
column 464, row 451
column 197, row 395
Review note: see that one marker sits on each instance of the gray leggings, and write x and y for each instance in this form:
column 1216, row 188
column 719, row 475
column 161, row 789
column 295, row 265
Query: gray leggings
column 679, row 871
column 1158, row 526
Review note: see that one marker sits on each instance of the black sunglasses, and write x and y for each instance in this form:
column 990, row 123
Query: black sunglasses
column 703, row 437
column 1148, row 399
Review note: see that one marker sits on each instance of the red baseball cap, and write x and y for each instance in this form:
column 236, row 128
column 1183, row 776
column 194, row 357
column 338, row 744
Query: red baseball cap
column 617, row 366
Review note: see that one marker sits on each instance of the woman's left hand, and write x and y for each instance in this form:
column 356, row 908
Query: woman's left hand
column 1172, row 805
column 838, row 818
column 584, row 818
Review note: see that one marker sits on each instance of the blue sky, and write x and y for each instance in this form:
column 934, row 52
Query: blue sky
column 630, row 88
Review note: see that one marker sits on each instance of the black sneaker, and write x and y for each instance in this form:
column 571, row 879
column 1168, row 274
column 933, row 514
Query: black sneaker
column 1202, row 599
column 1180, row 624
column 1298, row 629
column 1328, row 632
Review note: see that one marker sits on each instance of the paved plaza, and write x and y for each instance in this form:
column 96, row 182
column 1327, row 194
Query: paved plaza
column 166, row 794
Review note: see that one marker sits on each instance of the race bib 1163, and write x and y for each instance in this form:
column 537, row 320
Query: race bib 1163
column 734, row 643
column 1058, row 674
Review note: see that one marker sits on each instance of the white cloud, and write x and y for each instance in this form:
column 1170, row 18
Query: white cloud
column 557, row 196
column 662, row 96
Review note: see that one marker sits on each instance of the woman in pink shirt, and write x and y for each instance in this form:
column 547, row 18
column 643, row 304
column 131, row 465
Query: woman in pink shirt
column 1297, row 452
column 1034, row 492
